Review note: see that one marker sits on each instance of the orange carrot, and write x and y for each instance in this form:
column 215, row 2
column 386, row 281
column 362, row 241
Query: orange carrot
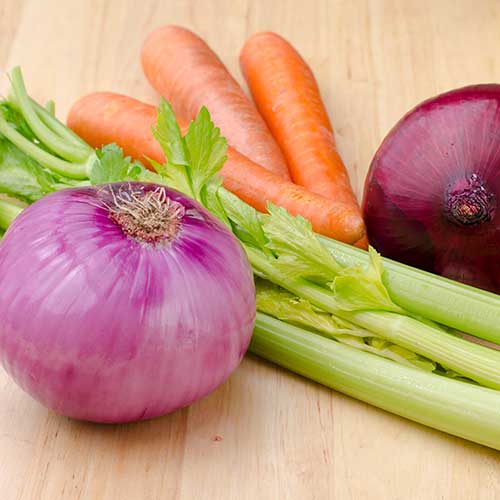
column 102, row 118
column 256, row 186
column 287, row 96
column 362, row 243
column 184, row 70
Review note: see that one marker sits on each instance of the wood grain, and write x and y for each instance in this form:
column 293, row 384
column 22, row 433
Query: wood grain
column 266, row 433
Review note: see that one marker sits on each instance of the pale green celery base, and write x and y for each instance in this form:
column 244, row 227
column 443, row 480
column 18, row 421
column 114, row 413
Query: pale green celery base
column 451, row 406
column 453, row 304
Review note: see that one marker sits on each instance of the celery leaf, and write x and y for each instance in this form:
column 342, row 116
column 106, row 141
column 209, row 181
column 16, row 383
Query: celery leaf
column 174, row 176
column 112, row 166
column 358, row 288
column 275, row 301
column 21, row 177
column 212, row 201
column 175, row 172
column 207, row 151
column 298, row 250
column 168, row 133
column 192, row 161
column 246, row 219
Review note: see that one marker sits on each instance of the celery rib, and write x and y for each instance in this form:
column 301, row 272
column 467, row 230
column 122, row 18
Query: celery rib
column 64, row 148
column 464, row 410
column 61, row 167
column 49, row 119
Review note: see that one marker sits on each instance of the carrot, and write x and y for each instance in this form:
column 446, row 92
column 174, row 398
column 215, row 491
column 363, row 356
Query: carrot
column 256, row 186
column 103, row 117
column 362, row 243
column 184, row 70
column 287, row 96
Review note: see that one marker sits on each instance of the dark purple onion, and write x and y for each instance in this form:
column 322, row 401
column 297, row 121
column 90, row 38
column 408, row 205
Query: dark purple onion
column 433, row 188
column 122, row 302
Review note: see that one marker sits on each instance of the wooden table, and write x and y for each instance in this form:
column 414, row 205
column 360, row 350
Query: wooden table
column 265, row 434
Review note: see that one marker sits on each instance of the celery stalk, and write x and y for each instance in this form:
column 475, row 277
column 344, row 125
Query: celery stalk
column 73, row 158
column 47, row 116
column 461, row 409
column 69, row 150
column 453, row 304
column 48, row 160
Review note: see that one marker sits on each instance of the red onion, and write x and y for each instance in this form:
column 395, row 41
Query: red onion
column 433, row 187
column 122, row 302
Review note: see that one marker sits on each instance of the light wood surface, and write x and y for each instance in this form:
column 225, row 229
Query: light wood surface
column 266, row 434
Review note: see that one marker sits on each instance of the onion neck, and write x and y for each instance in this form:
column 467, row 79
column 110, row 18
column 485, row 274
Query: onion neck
column 469, row 202
column 147, row 216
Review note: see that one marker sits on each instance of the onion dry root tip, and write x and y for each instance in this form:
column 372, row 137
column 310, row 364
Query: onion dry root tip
column 469, row 202
column 150, row 217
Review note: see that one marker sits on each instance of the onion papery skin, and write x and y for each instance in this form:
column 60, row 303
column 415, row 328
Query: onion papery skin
column 441, row 161
column 99, row 326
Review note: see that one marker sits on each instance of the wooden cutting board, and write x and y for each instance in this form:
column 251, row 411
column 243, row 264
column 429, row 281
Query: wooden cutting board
column 266, row 433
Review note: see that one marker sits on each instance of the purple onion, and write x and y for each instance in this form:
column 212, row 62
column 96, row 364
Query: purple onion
column 432, row 191
column 122, row 302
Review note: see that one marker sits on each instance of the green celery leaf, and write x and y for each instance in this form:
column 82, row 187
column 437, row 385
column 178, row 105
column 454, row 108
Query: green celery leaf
column 168, row 133
column 207, row 150
column 358, row 288
column 193, row 161
column 245, row 218
column 275, row 301
column 298, row 249
column 174, row 177
column 176, row 170
column 21, row 177
column 112, row 166
column 148, row 176
column 212, row 202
